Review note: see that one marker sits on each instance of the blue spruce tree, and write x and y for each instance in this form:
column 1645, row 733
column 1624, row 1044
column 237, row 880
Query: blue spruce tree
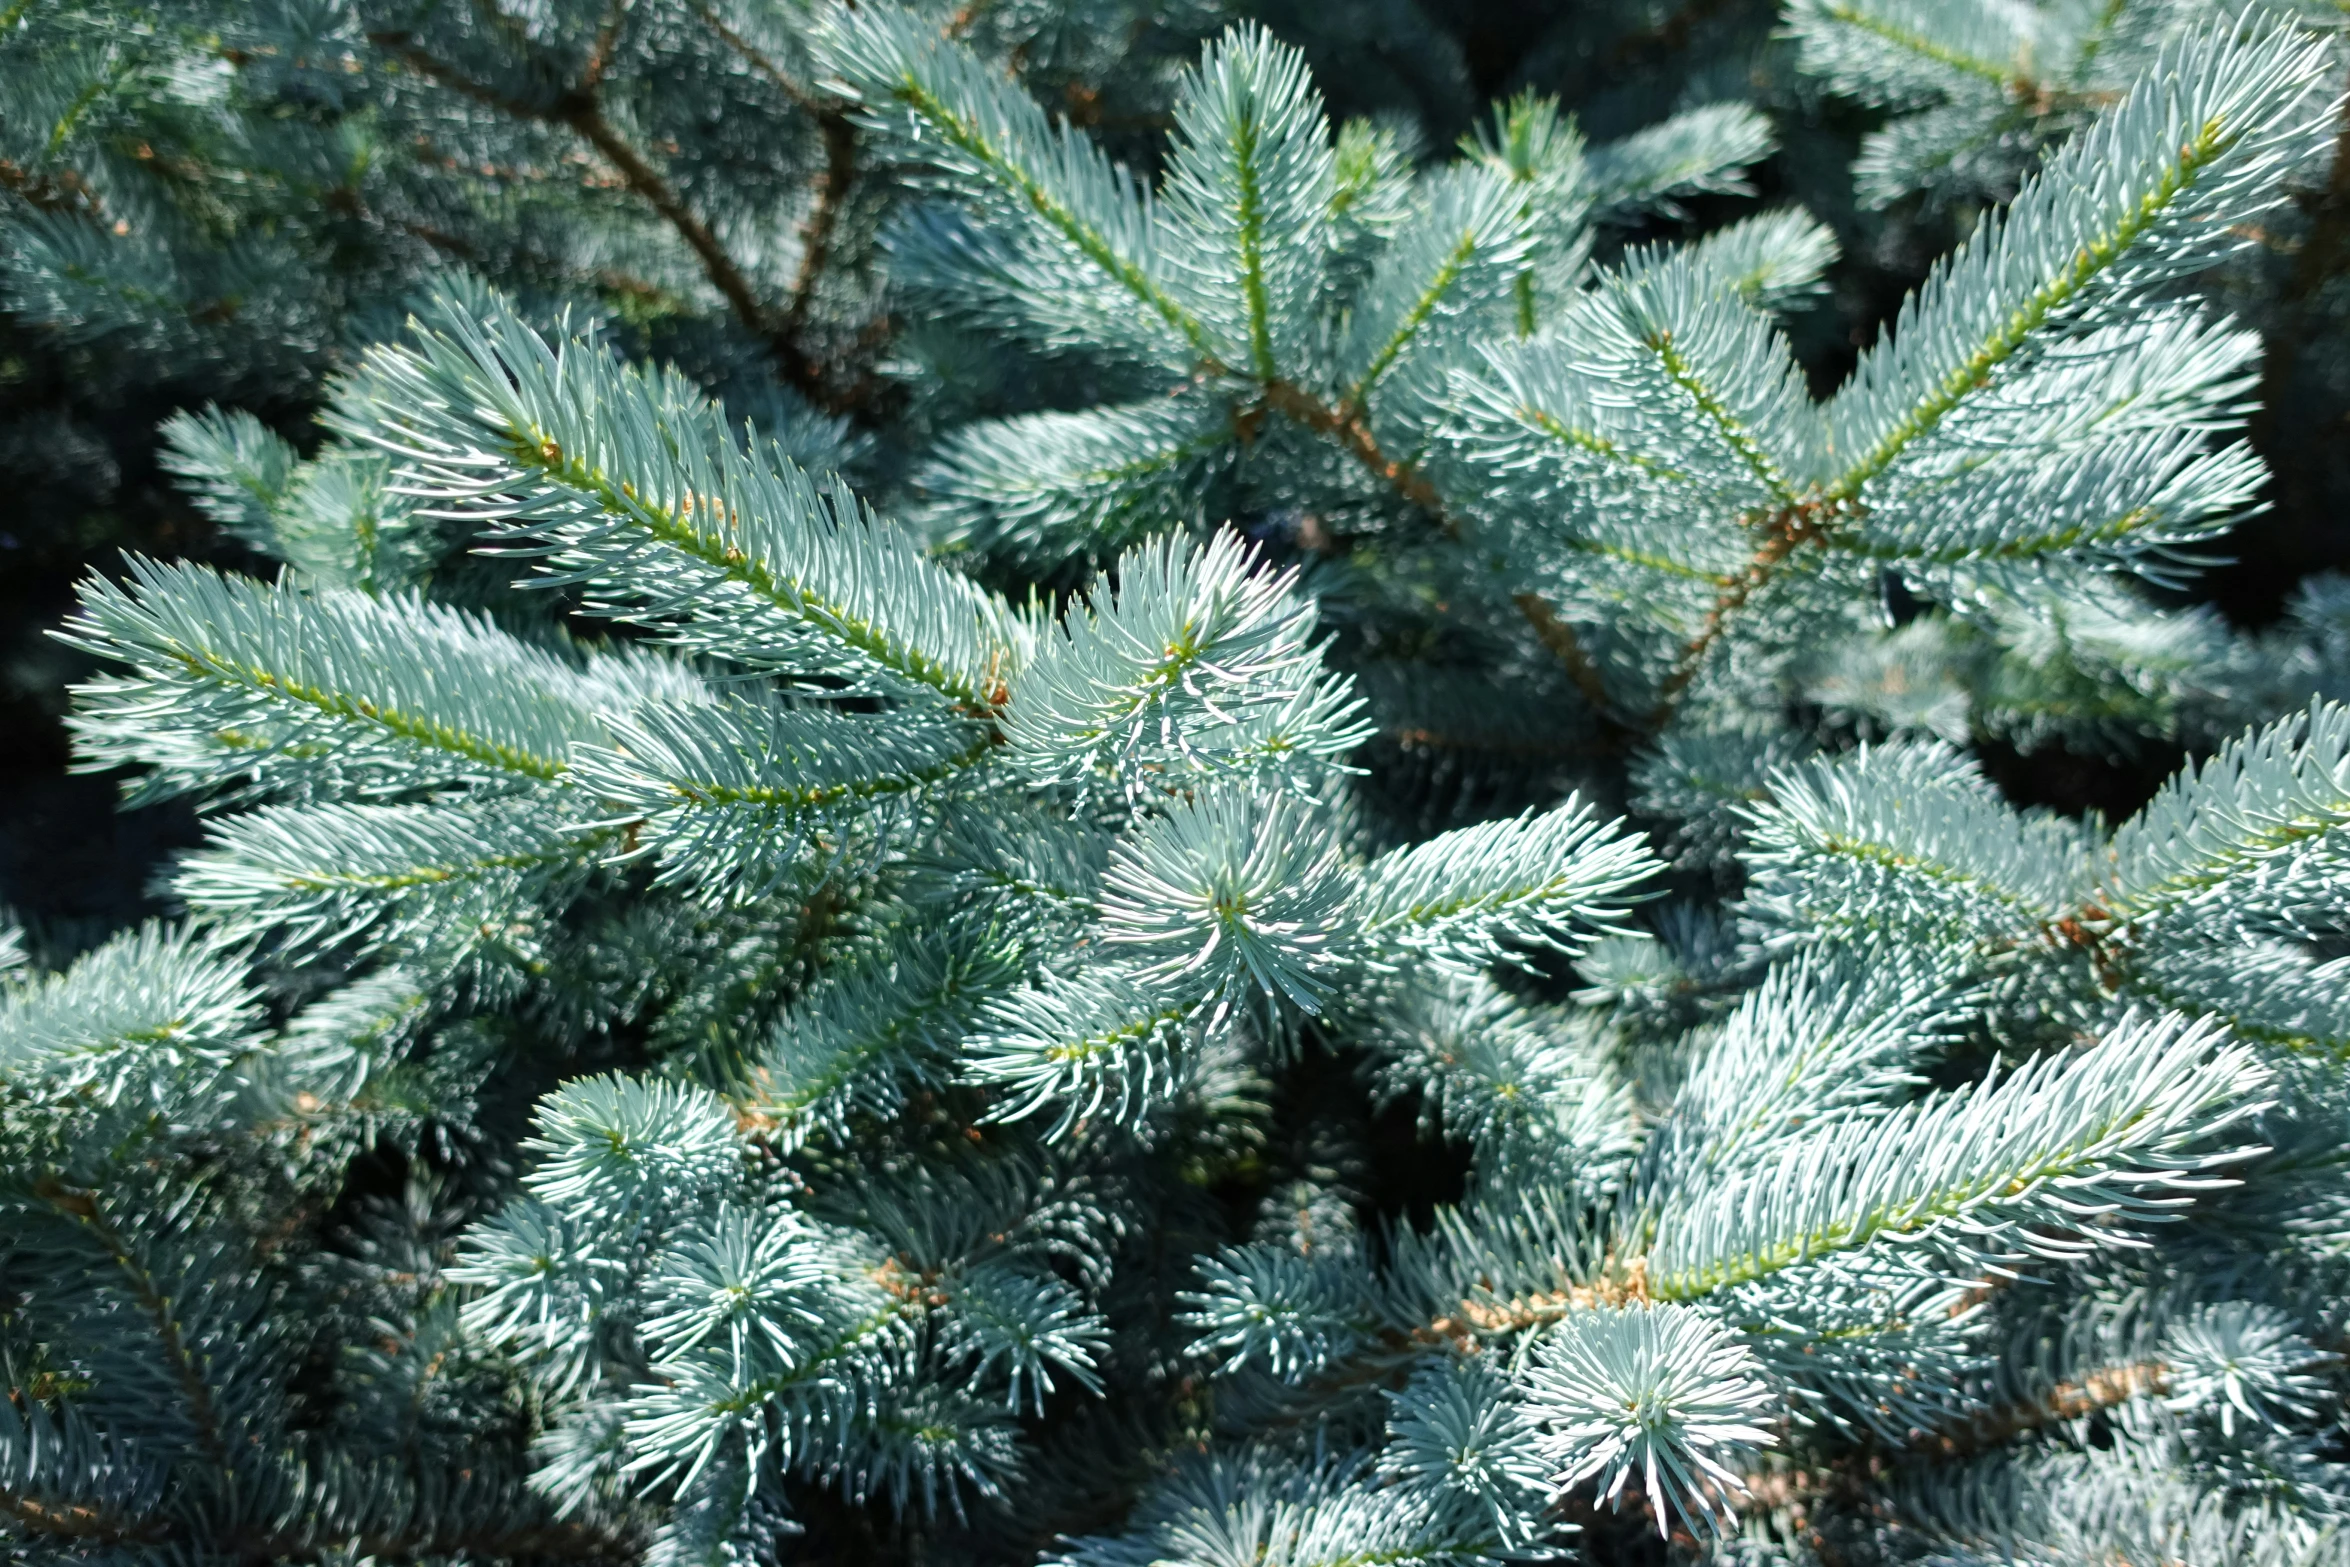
column 716, row 1023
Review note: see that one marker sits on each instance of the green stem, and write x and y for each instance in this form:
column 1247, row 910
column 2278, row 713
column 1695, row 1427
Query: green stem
column 428, row 732
column 1089, row 242
column 2087, row 264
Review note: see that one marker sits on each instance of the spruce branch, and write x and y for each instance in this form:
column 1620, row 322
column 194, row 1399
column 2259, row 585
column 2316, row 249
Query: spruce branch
column 80, row 1522
column 85, row 1211
column 979, row 963
column 155, row 1015
column 731, row 796
column 2251, row 823
column 679, row 1425
column 2091, row 1392
column 823, row 221
column 1553, row 879
column 633, row 484
column 64, row 191
column 1431, row 284
column 1098, row 1043
column 2036, row 1164
column 1559, row 638
column 580, row 110
column 1051, row 177
column 1705, row 150
column 1051, row 487
column 1784, row 533
column 1348, row 429
column 1658, row 1391
column 2148, row 193
column 1245, row 204
column 759, row 60
column 229, row 672
column 1051, row 185
column 321, row 874
column 1913, row 835
column 1733, row 430
column 851, row 1045
column 2004, row 74
column 1189, row 669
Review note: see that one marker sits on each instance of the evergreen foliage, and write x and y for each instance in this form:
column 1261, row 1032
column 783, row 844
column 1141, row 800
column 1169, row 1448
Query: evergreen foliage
column 719, row 1021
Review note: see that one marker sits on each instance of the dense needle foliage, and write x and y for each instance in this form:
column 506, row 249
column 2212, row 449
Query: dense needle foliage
column 984, row 796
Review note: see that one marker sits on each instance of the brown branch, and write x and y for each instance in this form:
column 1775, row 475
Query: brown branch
column 66, row 192
column 823, row 222
column 583, row 116
column 2100, row 1389
column 1556, row 635
column 1346, row 427
column 760, row 62
column 429, row 64
column 1787, row 530
column 1853, row 1478
column 1390, row 1354
column 1491, row 1318
column 798, row 367
column 1857, row 1473
column 816, row 235
column 82, row 1207
column 600, row 53
column 74, row 1521
column 439, row 239
column 579, row 112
